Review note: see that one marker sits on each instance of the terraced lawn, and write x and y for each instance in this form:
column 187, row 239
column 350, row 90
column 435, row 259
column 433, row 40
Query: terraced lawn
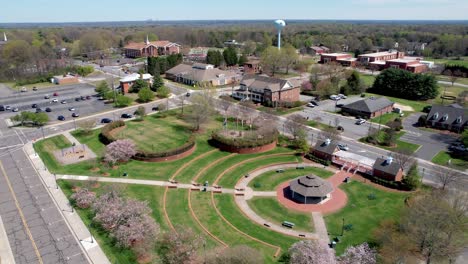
column 363, row 213
column 268, row 181
column 156, row 134
column 270, row 209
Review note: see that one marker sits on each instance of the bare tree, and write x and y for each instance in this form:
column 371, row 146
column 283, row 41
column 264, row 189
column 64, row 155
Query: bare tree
column 295, row 125
column 330, row 133
column 202, row 109
column 87, row 126
column 404, row 157
column 447, row 176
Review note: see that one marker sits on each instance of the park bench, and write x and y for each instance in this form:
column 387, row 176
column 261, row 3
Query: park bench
column 300, row 167
column 280, row 170
column 195, row 183
column 288, row 224
column 81, row 157
column 266, row 224
column 301, row 235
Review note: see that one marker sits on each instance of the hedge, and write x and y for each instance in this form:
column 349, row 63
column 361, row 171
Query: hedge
column 245, row 142
column 105, row 136
column 314, row 158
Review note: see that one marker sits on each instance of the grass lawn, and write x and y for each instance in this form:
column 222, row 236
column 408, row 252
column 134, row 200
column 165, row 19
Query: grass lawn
column 450, row 91
column 270, row 209
column 416, row 105
column 268, row 181
column 282, row 75
column 141, row 192
column 368, row 80
column 400, row 144
column 316, row 124
column 443, row 157
column 279, row 110
column 447, row 79
column 156, row 134
column 363, row 214
column 462, row 61
column 387, row 117
column 228, row 208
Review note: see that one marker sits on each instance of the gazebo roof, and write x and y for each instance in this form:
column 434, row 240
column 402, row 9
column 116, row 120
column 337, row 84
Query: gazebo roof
column 311, row 186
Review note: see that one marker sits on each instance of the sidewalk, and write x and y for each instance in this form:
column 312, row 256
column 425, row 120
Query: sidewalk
column 320, row 227
column 82, row 234
column 6, row 255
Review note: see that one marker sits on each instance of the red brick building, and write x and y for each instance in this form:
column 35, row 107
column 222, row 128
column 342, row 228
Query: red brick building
column 129, row 80
column 387, row 169
column 264, row 89
column 334, row 57
column 369, row 108
column 408, row 64
column 366, row 59
column 252, row 66
column 325, row 149
column 151, row 49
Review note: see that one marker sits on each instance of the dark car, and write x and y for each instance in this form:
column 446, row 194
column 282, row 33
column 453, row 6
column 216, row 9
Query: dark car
column 34, row 106
column 155, row 108
column 34, row 88
column 2, row 108
column 427, row 109
column 75, row 115
column 314, row 103
column 38, row 110
column 77, row 99
column 61, row 118
column 48, row 110
column 106, row 120
column 126, row 116
column 187, row 94
column 83, row 98
column 55, row 94
column 88, row 97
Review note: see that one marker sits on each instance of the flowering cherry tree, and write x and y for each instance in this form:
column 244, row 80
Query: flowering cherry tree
column 311, row 252
column 361, row 254
column 83, row 198
column 120, row 151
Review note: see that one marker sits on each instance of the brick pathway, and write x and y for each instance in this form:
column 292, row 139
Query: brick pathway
column 337, row 201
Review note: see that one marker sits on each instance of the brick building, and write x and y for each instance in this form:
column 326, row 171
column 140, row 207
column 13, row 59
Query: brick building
column 369, row 108
column 315, row 50
column 366, row 59
column 264, row 89
column 334, row 57
column 387, row 169
column 325, row 149
column 64, row 79
column 252, row 66
column 129, row 80
column 151, row 49
column 409, row 64
column 453, row 117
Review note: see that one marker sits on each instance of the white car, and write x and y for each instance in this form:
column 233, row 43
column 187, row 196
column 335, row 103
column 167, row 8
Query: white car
column 54, row 100
column 360, row 121
column 310, row 105
column 334, row 97
column 343, row 147
column 342, row 96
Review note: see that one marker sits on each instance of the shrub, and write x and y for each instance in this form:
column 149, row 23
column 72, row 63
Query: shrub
column 83, row 198
column 105, row 136
column 245, row 142
column 167, row 153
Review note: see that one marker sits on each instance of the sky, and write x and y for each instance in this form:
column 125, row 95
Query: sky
column 137, row 10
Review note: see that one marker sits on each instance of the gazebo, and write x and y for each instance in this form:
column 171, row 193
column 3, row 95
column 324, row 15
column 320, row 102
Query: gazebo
column 310, row 189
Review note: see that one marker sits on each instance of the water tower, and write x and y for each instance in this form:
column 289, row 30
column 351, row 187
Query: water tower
column 279, row 24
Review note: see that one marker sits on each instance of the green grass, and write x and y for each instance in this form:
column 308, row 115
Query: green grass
column 443, row 157
column 141, row 192
column 387, row 117
column 271, row 210
column 447, row 79
column 448, row 90
column 316, row 124
column 230, row 211
column 45, row 149
column 462, row 61
column 363, row 214
column 156, row 134
column 269, row 180
column 400, row 144
column 368, row 80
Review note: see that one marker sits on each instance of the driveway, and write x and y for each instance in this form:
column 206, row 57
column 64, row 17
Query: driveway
column 431, row 142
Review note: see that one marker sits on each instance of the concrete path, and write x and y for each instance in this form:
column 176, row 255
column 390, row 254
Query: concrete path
column 73, row 220
column 320, row 227
column 71, row 138
column 6, row 255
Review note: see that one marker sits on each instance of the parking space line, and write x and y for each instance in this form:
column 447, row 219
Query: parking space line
column 23, row 219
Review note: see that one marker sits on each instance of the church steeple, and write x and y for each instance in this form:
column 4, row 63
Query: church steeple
column 147, row 40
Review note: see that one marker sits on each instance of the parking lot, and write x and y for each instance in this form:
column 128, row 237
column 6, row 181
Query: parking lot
column 81, row 97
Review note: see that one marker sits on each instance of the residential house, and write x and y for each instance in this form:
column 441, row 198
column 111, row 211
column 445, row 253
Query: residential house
column 453, row 117
column 127, row 81
column 264, row 89
column 201, row 74
column 151, row 49
column 199, row 54
column 325, row 149
column 369, row 108
column 387, row 169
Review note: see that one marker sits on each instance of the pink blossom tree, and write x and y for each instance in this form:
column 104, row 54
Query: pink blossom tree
column 180, row 247
column 306, row 86
column 83, row 198
column 361, row 254
column 119, row 151
column 311, row 252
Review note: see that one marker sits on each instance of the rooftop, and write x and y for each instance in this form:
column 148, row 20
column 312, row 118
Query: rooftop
column 384, row 165
column 378, row 54
column 329, row 148
column 335, row 54
column 135, row 76
column 311, row 186
column 369, row 105
column 260, row 82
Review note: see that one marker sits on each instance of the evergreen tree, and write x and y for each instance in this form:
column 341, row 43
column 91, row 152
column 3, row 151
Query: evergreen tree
column 413, row 180
column 214, row 57
column 138, row 85
column 230, row 56
column 242, row 60
column 354, row 84
column 158, row 82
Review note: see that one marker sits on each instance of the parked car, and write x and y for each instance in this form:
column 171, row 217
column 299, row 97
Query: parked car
column 343, row 147
column 83, row 98
column 23, row 89
column 334, row 97
column 55, row 94
column 54, row 100
column 75, row 115
column 15, row 109
column 61, row 118
column 100, row 98
column 106, row 120
column 88, row 97
column 342, row 96
column 63, row 102
column 155, row 108
column 427, row 109
column 310, row 105
column 46, row 96
column 2, row 108
column 7, row 107
column 314, row 102
column 77, row 99
column 397, row 110
column 38, row 110
column 187, row 94
column 34, row 88
column 48, row 109
column 126, row 116
column 360, row 121
column 71, row 109
column 34, row 106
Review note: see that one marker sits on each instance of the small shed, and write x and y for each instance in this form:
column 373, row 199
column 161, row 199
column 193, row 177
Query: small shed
column 310, row 189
